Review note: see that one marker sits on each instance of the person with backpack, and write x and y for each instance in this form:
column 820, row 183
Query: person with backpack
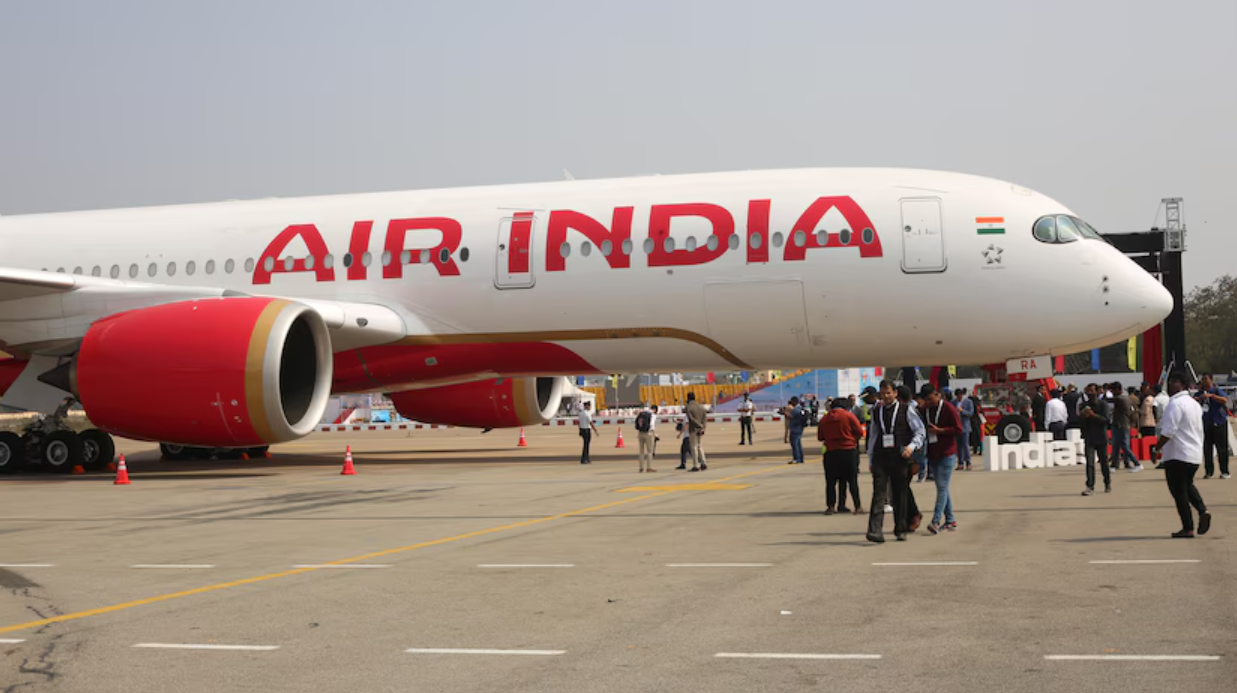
column 796, row 421
column 646, row 425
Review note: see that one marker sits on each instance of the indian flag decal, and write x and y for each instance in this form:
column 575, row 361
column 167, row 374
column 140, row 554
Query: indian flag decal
column 990, row 226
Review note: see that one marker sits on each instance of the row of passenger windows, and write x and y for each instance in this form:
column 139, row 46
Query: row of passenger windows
column 1064, row 229
column 669, row 244
column 229, row 266
column 777, row 240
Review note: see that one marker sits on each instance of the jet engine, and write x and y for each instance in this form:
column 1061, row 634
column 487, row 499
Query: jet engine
column 501, row 403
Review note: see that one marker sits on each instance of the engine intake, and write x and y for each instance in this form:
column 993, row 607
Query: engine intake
column 227, row 372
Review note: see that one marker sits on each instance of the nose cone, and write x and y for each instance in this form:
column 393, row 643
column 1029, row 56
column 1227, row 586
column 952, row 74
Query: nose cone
column 1152, row 302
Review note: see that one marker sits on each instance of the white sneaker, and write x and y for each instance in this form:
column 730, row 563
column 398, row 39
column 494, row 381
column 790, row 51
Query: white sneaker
column 1226, row 476
column 888, row 508
column 1136, row 468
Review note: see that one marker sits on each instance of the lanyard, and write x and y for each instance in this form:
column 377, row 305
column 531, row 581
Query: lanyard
column 893, row 420
column 939, row 407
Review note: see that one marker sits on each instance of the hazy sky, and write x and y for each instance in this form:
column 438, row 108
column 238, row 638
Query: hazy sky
column 1106, row 106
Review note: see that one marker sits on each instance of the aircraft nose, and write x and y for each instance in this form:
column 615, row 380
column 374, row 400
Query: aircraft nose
column 1152, row 301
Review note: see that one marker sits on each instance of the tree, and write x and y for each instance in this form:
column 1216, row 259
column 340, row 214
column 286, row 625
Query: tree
column 1211, row 326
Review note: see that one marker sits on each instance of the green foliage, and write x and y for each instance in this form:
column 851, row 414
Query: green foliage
column 1211, row 326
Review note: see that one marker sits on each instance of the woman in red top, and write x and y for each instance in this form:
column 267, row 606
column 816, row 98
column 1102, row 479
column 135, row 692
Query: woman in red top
column 840, row 431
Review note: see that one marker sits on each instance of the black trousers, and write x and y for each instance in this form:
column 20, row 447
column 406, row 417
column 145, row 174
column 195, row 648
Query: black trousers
column 1097, row 449
column 1058, row 430
column 890, row 484
column 1180, row 476
column 841, row 472
column 1215, row 437
column 685, row 451
column 745, row 429
column 586, row 435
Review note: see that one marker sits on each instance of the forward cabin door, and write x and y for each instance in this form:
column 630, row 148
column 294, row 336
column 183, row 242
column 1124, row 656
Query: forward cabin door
column 513, row 266
column 923, row 236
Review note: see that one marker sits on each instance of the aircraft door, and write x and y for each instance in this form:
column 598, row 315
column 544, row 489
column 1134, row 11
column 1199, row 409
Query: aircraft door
column 513, row 267
column 923, row 236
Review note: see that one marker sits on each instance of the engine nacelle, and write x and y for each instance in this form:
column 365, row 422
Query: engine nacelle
column 502, row 403
column 226, row 372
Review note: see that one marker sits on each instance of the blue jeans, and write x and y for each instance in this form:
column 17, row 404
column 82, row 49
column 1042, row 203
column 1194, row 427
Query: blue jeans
column 964, row 448
column 796, row 445
column 942, row 469
column 1121, row 447
column 921, row 456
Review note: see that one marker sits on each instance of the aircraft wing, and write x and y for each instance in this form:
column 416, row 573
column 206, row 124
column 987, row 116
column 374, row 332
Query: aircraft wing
column 48, row 312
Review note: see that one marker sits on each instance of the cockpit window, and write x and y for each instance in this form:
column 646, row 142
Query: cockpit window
column 1064, row 229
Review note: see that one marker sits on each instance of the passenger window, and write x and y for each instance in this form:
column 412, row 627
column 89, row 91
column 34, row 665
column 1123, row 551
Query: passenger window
column 845, row 236
column 628, row 246
column 822, row 237
column 755, row 241
column 249, row 265
column 367, row 259
column 777, row 239
column 97, row 271
column 712, row 244
column 328, row 261
column 586, row 249
column 800, row 239
column 1066, row 231
column 115, row 271
column 405, row 258
column 868, row 236
column 191, row 267
column 229, row 266
column 289, row 263
column 1046, row 230
column 606, row 248
column 444, row 256
column 152, row 270
column 464, row 254
column 564, row 250
column 425, row 257
column 386, row 258
column 269, row 264
column 171, row 269
column 669, row 245
column 309, row 263
column 210, row 266
column 60, row 270
column 734, row 241
column 77, row 270
column 648, row 246
column 133, row 271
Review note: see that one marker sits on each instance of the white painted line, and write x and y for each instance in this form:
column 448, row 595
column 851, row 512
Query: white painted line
column 791, row 655
column 1133, row 658
column 176, row 646
column 7, row 641
column 527, row 565
column 718, row 565
column 187, row 566
column 329, row 566
column 931, row 563
column 1146, row 562
column 440, row 650
column 27, row 565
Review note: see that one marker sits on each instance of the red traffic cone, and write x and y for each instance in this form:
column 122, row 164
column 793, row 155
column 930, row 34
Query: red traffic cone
column 620, row 443
column 79, row 469
column 349, row 470
column 122, row 473
column 523, row 442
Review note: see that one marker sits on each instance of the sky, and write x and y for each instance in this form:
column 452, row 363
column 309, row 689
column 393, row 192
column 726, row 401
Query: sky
column 1105, row 106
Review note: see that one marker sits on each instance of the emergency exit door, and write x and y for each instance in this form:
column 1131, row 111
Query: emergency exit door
column 923, row 236
column 513, row 266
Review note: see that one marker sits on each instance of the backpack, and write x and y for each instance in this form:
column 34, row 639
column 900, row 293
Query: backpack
column 643, row 419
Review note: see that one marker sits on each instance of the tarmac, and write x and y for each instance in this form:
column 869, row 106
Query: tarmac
column 455, row 561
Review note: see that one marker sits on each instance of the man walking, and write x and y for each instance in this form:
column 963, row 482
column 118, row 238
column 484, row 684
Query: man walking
column 1055, row 416
column 1039, row 404
column 966, row 411
column 1121, row 412
column 895, row 435
column 944, row 427
column 1146, row 414
column 697, row 419
column 1181, row 448
column 796, row 420
column 587, row 429
column 1093, row 413
column 646, row 425
column 1215, row 426
column 840, row 432
column 746, row 411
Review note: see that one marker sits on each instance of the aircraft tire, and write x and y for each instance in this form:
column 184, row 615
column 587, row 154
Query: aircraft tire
column 61, row 451
column 1013, row 429
column 98, row 449
column 12, row 453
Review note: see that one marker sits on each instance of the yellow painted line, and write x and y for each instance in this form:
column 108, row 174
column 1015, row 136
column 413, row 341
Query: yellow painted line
column 297, row 571
column 685, row 487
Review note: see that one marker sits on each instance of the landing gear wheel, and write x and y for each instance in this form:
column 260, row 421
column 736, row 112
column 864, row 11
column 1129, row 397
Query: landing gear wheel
column 12, row 453
column 61, row 451
column 174, row 453
column 98, row 449
column 1013, row 429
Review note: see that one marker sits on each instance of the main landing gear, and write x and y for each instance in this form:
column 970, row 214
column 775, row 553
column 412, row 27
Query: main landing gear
column 49, row 444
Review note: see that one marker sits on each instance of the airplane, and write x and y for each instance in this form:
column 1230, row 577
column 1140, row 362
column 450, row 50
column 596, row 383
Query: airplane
column 230, row 324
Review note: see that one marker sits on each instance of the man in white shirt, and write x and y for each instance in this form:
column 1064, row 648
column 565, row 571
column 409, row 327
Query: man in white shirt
column 1181, row 448
column 587, row 429
column 1056, row 416
column 746, row 409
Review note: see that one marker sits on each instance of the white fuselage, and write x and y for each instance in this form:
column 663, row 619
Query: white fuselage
column 945, row 287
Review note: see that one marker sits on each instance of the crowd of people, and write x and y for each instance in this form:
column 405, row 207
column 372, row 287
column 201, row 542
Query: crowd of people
column 928, row 435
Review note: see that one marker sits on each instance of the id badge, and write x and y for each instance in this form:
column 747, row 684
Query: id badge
column 931, row 437
column 1206, row 408
column 887, row 441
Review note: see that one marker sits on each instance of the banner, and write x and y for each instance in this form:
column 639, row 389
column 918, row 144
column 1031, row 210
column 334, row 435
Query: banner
column 1095, row 360
column 953, row 371
column 1058, row 365
column 1131, row 353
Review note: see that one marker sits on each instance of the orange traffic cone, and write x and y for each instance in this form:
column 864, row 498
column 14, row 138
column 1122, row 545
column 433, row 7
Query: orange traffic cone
column 620, row 443
column 122, row 473
column 349, row 470
column 79, row 469
column 523, row 442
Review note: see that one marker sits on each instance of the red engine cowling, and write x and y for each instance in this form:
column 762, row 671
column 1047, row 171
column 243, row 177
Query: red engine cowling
column 502, row 403
column 10, row 370
column 227, row 372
